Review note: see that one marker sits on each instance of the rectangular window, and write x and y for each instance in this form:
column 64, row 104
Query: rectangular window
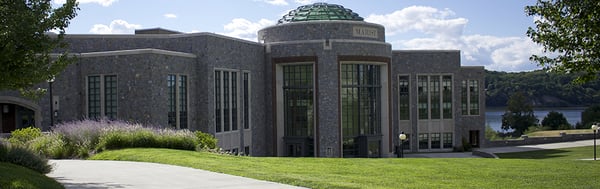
column 474, row 97
column 434, row 83
column 298, row 100
column 102, row 97
column 246, row 88
column 464, row 98
column 361, row 105
column 177, row 97
column 423, row 141
column 423, row 97
column 226, row 99
column 470, row 97
column 172, row 98
column 218, row 96
column 435, row 140
column 183, row 118
column 94, row 109
column 447, row 140
column 234, row 99
column 110, row 96
column 228, row 102
column 404, row 100
column 447, row 96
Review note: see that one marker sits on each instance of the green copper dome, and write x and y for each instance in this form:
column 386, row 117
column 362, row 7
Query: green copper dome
column 319, row 11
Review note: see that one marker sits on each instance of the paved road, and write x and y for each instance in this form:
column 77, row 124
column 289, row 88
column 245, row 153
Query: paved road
column 90, row 174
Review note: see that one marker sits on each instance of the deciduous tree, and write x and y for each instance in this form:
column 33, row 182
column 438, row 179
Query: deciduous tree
column 556, row 120
column 26, row 46
column 518, row 115
column 570, row 31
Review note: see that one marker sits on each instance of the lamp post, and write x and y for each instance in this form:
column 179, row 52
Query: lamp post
column 50, row 81
column 595, row 129
column 402, row 137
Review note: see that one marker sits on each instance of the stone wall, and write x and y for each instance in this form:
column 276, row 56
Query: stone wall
column 539, row 140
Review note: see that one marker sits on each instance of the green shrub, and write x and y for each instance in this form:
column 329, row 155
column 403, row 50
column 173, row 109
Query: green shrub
column 180, row 142
column 205, row 140
column 24, row 135
column 113, row 140
column 22, row 156
column 55, row 146
column 143, row 139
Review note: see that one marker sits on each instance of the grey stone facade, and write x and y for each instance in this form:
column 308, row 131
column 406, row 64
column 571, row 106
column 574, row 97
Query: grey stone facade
column 142, row 63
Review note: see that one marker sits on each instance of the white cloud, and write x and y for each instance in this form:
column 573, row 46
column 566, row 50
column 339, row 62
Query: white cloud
column 442, row 30
column 104, row 3
column 170, row 15
column 245, row 29
column 428, row 20
column 275, row 2
column 115, row 27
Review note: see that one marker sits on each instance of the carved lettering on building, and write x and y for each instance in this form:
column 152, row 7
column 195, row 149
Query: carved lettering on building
column 365, row 32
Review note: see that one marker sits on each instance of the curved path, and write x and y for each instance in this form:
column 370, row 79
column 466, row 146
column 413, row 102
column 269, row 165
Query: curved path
column 91, row 174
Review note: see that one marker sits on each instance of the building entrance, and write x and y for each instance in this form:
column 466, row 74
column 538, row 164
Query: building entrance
column 15, row 117
column 474, row 138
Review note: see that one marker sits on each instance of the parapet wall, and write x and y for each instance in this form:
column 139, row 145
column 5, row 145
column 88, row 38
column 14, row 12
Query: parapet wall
column 539, row 140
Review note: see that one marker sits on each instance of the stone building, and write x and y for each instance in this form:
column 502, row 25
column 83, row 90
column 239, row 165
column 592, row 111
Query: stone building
column 322, row 83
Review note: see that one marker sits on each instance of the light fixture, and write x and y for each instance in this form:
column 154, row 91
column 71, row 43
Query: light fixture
column 402, row 137
column 5, row 109
column 595, row 129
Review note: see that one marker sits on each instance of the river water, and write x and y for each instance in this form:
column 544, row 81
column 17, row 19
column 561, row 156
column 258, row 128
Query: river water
column 493, row 115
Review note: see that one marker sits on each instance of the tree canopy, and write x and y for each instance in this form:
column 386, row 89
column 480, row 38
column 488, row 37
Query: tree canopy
column 541, row 89
column 26, row 46
column 555, row 120
column 590, row 116
column 518, row 115
column 569, row 32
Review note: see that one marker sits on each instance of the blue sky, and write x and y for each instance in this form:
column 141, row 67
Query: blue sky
column 489, row 33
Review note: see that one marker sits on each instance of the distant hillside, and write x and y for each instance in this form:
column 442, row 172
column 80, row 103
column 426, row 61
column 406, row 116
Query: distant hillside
column 542, row 89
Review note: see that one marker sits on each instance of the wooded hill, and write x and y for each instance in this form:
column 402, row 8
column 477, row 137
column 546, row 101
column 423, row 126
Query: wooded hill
column 542, row 89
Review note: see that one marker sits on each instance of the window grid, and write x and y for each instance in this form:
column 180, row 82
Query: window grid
column 404, row 100
column 183, row 112
column 172, row 88
column 232, row 95
column 470, row 97
column 435, row 109
column 298, row 100
column 447, row 96
column 474, row 97
column 435, row 140
column 226, row 99
column 423, row 97
column 246, row 92
column 423, row 141
column 218, row 109
column 94, row 97
column 361, row 103
column 447, row 140
column 234, row 98
column 110, row 97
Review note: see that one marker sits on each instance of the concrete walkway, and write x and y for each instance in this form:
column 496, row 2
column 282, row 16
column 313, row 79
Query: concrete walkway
column 90, row 174
column 507, row 149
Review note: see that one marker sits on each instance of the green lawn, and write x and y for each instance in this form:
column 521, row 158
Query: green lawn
column 14, row 176
column 586, row 152
column 383, row 172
